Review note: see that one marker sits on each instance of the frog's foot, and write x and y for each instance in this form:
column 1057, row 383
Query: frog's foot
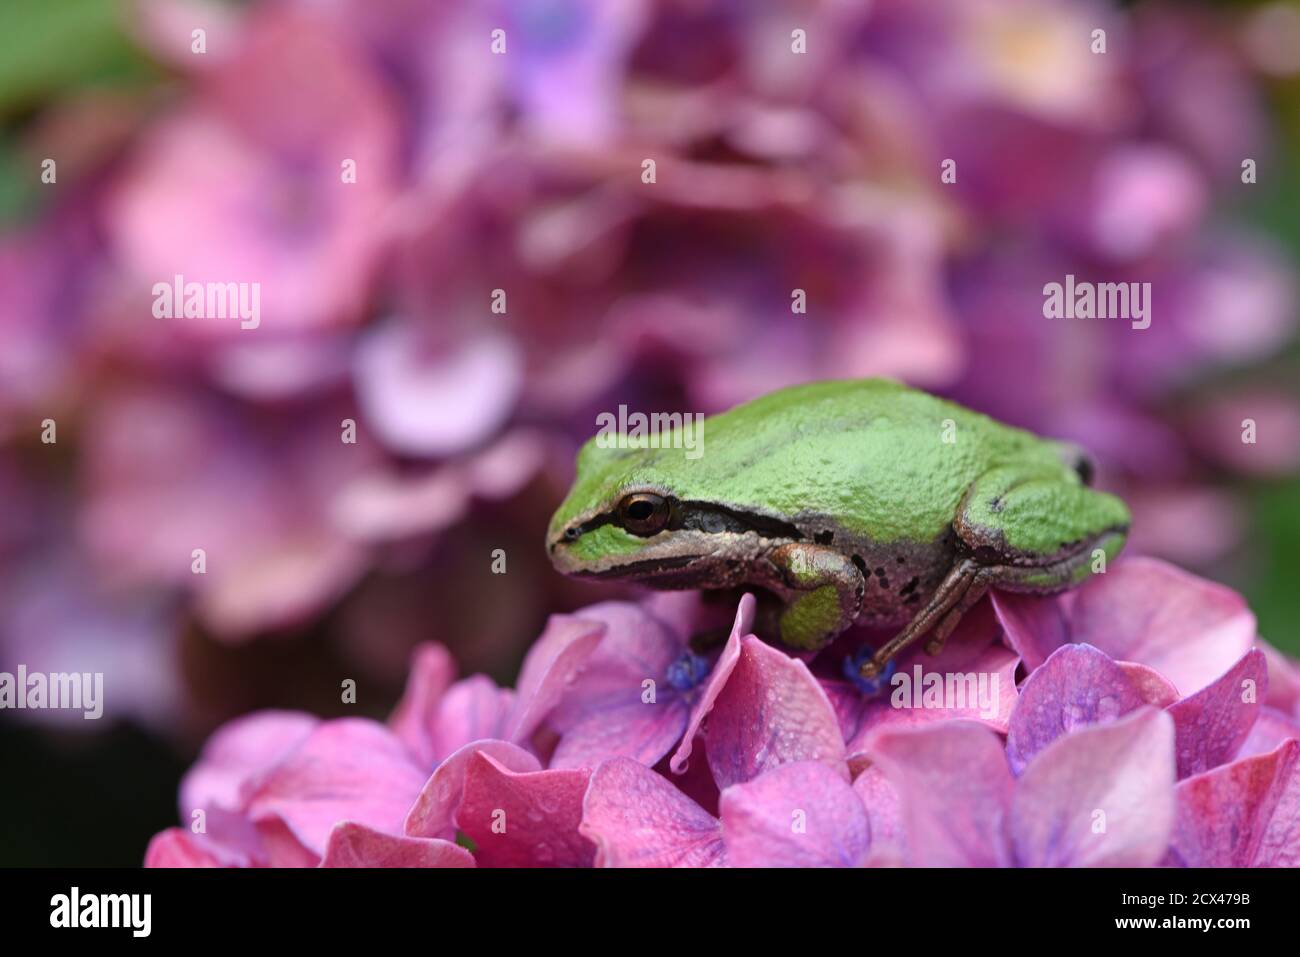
column 963, row 586
column 821, row 592
column 977, row 589
column 867, row 686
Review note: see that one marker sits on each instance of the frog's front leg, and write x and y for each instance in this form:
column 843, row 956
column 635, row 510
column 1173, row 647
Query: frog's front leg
column 1024, row 532
column 820, row 590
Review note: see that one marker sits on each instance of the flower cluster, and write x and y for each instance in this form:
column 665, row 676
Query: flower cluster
column 443, row 207
column 1151, row 727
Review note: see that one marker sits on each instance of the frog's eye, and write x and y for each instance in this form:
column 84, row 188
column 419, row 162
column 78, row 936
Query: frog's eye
column 1085, row 469
column 643, row 513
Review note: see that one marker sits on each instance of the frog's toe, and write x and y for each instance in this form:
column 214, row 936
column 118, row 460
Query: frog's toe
column 866, row 674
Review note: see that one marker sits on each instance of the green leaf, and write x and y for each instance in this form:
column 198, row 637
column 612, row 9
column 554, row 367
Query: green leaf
column 47, row 46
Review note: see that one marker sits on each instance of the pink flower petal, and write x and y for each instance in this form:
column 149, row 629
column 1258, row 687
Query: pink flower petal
column 1033, row 626
column 347, row 769
column 177, row 847
column 550, row 668
column 1155, row 688
column 796, row 815
column 1077, row 686
column 524, row 819
column 433, row 814
column 973, row 663
column 245, row 159
column 355, row 845
column 770, row 712
column 1213, row 724
column 238, row 752
column 429, row 400
column 1244, row 814
column 1271, row 729
column 718, row 678
column 908, row 702
column 280, row 846
column 1100, row 797
column 473, row 709
column 1188, row 629
column 954, row 786
column 415, row 717
column 637, row 818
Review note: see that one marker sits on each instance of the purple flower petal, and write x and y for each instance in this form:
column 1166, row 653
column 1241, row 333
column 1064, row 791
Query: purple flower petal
column 637, row 730
column 1033, row 626
column 718, row 678
column 1271, row 729
column 1188, row 629
column 433, row 813
column 1077, row 686
column 524, row 818
column 1213, row 724
column 954, row 786
column 885, row 814
column 770, row 712
column 550, row 667
column 636, row 646
column 1244, row 814
column 604, row 714
column 355, row 845
column 1100, row 797
column 797, row 815
column 637, row 818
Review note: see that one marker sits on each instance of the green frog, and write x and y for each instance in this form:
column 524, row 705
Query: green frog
column 848, row 501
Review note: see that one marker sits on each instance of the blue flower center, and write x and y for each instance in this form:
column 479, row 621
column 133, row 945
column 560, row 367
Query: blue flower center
column 870, row 687
column 688, row 671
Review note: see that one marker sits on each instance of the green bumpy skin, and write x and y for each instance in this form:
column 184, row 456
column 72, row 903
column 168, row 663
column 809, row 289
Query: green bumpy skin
column 806, row 619
column 871, row 453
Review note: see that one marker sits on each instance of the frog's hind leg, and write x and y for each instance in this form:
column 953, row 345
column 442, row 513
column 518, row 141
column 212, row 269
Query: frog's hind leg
column 961, row 588
column 1036, row 532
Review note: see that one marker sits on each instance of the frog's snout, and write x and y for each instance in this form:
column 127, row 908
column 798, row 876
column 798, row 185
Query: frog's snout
column 555, row 539
column 561, row 556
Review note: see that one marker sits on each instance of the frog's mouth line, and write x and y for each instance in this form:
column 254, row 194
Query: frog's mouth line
column 647, row 566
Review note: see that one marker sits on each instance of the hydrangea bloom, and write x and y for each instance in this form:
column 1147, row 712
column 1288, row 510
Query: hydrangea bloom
column 474, row 173
column 1142, row 723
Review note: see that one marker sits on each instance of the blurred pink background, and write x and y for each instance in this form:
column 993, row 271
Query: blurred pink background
column 522, row 172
